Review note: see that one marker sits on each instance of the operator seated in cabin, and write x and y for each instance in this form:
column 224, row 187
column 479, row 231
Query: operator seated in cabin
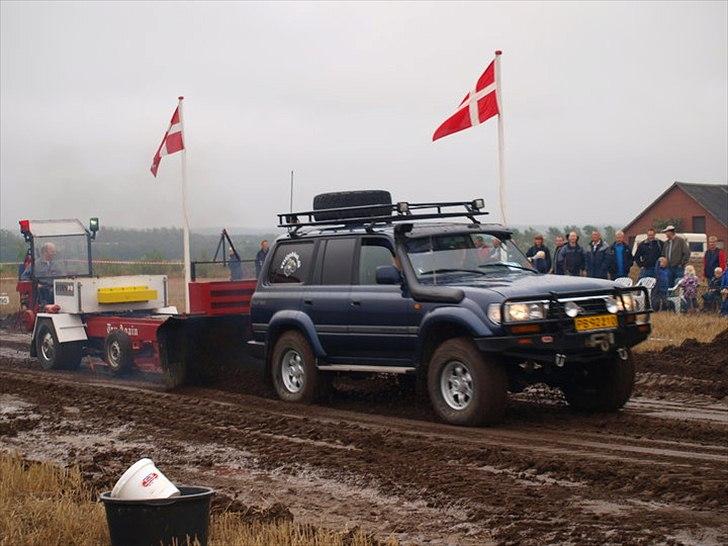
column 45, row 270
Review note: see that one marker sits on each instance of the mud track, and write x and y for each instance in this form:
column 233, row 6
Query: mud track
column 654, row 473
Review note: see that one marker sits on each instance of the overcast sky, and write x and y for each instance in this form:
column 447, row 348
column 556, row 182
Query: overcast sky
column 605, row 104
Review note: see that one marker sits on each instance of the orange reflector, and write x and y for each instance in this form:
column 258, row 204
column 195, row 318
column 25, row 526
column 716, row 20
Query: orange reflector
column 526, row 329
column 526, row 341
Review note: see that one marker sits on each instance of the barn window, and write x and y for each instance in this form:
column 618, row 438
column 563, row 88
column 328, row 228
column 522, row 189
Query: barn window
column 698, row 224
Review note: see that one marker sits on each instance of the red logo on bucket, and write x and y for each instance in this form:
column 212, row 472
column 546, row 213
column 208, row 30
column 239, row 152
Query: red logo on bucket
column 147, row 481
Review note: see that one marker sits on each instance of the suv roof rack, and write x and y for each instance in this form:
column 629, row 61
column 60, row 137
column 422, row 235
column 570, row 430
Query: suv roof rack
column 398, row 212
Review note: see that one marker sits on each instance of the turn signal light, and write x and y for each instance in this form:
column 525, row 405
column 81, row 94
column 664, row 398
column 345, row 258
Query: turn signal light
column 526, row 329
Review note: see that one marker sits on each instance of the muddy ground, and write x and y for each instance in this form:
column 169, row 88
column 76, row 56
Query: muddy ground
column 374, row 456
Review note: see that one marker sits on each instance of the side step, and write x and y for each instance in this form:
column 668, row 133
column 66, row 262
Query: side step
column 365, row 368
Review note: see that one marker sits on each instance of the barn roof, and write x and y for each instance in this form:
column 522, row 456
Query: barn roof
column 712, row 197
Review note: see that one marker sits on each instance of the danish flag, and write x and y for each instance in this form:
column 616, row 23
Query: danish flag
column 171, row 143
column 478, row 105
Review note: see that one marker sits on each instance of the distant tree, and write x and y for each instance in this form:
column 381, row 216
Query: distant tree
column 608, row 233
column 12, row 246
column 587, row 230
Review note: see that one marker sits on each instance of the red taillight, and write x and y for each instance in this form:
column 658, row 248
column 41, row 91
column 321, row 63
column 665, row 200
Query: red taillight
column 24, row 226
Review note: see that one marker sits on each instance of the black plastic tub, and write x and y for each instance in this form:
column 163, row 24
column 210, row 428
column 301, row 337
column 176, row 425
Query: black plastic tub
column 180, row 520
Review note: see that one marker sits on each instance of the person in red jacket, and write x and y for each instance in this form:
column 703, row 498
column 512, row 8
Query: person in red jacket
column 714, row 257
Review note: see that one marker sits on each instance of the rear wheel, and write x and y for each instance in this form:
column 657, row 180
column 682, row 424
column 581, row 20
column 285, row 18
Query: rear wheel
column 465, row 387
column 54, row 355
column 604, row 386
column 118, row 352
column 293, row 367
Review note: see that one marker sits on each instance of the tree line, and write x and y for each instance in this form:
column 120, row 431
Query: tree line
column 160, row 244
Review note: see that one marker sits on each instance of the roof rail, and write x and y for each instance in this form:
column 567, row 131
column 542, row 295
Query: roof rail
column 398, row 212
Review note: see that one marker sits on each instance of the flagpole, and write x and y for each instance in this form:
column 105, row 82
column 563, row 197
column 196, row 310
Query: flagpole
column 185, row 212
column 501, row 145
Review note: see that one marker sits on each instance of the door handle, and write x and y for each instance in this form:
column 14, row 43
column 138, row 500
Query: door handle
column 308, row 302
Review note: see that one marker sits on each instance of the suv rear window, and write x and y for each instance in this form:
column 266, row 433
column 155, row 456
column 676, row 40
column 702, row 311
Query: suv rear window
column 338, row 259
column 291, row 263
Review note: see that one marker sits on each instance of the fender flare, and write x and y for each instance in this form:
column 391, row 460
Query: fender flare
column 454, row 315
column 68, row 327
column 299, row 320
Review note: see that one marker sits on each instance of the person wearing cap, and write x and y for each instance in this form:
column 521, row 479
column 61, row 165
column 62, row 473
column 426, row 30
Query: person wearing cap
column 648, row 252
column 539, row 255
column 597, row 257
column 677, row 252
column 235, row 265
column 714, row 258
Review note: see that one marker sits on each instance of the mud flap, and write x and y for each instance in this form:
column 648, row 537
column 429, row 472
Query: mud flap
column 196, row 350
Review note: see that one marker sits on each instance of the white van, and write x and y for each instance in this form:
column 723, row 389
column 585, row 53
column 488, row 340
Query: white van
column 698, row 242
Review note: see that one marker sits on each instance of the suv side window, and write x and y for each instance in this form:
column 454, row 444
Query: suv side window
column 292, row 263
column 338, row 261
column 372, row 254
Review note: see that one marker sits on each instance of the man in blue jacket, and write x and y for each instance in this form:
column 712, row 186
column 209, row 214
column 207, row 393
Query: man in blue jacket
column 597, row 257
column 539, row 255
column 620, row 257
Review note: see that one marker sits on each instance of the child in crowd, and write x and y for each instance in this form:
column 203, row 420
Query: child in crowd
column 711, row 299
column 662, row 275
column 689, row 285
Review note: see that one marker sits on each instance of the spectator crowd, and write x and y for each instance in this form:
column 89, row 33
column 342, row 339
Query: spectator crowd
column 667, row 262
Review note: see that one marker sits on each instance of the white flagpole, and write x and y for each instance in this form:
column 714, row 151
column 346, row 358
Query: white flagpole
column 501, row 145
column 185, row 213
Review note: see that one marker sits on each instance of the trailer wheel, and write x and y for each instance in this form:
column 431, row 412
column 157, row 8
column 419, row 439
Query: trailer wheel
column 293, row 367
column 465, row 387
column 606, row 386
column 54, row 355
column 118, row 352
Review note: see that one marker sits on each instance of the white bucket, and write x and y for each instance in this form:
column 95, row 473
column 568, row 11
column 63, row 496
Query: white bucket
column 143, row 481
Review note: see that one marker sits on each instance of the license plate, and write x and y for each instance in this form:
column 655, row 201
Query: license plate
column 596, row 322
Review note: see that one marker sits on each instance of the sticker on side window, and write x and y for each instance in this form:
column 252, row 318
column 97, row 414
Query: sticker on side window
column 290, row 264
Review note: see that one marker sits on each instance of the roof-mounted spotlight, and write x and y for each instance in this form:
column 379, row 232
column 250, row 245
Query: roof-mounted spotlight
column 478, row 204
column 403, row 207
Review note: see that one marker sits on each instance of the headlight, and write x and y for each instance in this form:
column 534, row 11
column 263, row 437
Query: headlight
column 494, row 313
column 517, row 312
column 571, row 308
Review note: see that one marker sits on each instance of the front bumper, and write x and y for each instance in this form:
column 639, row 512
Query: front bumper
column 565, row 346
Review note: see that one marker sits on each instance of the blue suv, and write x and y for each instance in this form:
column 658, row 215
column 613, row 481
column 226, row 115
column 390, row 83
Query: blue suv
column 363, row 285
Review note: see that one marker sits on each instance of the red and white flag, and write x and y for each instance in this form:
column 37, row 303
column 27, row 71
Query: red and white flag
column 171, row 143
column 478, row 105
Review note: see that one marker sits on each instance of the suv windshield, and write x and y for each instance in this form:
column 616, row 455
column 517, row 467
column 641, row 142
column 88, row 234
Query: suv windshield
column 61, row 256
column 464, row 254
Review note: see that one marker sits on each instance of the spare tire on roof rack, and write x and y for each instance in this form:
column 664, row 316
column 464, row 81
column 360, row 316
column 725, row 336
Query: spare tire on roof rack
column 343, row 199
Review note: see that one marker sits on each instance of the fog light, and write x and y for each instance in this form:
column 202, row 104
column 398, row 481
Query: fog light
column 611, row 304
column 571, row 309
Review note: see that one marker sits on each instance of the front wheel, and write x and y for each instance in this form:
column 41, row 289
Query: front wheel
column 465, row 387
column 54, row 355
column 294, row 372
column 605, row 385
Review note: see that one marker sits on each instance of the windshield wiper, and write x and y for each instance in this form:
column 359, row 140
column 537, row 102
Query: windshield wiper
column 502, row 264
column 451, row 270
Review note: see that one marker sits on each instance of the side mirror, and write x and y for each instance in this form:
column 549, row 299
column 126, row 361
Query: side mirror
column 388, row 274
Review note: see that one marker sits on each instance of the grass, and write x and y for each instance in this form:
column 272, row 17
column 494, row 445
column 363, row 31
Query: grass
column 43, row 504
column 672, row 329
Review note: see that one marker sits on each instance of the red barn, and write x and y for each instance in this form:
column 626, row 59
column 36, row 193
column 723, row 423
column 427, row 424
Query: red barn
column 698, row 208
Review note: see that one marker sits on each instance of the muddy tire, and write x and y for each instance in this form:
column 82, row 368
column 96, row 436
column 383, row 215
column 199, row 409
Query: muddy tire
column 293, row 369
column 118, row 353
column 54, row 355
column 465, row 387
column 605, row 386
